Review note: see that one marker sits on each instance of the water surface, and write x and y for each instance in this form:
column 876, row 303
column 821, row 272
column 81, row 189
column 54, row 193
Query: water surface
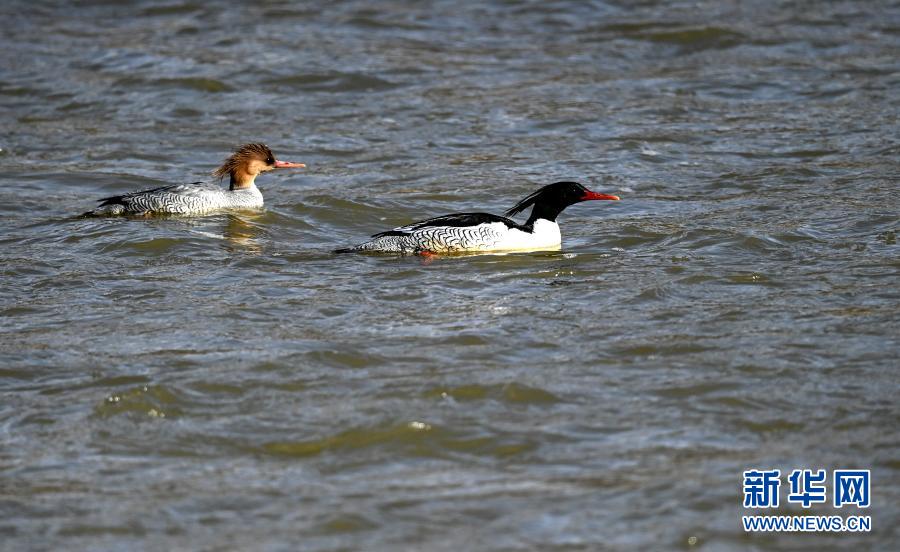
column 227, row 382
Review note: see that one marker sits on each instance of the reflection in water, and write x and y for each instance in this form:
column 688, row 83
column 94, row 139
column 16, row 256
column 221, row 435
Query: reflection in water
column 242, row 233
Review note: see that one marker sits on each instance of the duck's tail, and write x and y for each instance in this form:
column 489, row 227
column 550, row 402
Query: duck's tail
column 354, row 249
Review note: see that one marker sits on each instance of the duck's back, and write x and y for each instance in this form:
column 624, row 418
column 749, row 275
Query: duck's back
column 463, row 232
column 182, row 199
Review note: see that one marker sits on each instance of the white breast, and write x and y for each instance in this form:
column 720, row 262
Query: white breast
column 544, row 237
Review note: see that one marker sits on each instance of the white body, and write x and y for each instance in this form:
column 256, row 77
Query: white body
column 483, row 238
column 545, row 236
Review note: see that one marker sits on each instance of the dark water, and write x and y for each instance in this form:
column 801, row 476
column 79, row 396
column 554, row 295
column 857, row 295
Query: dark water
column 225, row 382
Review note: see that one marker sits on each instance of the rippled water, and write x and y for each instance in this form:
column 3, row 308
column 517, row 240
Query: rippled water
column 227, row 382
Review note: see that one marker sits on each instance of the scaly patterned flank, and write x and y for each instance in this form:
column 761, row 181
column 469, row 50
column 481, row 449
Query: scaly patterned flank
column 181, row 199
column 446, row 234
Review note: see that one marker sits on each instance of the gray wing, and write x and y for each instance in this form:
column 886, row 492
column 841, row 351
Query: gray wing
column 174, row 198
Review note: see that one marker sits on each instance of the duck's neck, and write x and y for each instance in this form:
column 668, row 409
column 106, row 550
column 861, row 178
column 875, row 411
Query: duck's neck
column 241, row 180
column 539, row 225
column 544, row 211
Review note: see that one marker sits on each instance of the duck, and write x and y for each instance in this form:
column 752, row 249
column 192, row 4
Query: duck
column 242, row 167
column 486, row 232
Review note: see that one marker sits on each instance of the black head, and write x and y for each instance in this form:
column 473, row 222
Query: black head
column 552, row 199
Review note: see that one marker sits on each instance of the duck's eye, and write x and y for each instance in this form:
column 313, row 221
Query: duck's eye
column 270, row 160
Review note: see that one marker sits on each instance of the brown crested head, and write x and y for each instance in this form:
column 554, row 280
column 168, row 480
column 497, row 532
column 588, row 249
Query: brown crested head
column 244, row 157
column 245, row 164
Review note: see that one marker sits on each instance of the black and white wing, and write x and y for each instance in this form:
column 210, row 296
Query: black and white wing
column 456, row 220
column 174, row 198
